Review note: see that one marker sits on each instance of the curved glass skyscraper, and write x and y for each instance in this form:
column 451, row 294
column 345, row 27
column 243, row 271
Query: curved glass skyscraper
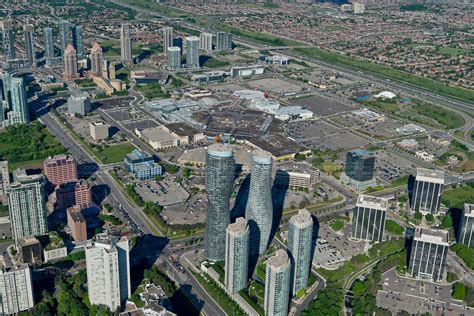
column 259, row 211
column 220, row 173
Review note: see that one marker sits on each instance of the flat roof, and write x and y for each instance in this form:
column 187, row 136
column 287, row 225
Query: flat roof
column 157, row 134
column 372, row 202
column 436, row 236
column 430, row 175
column 469, row 210
column 182, row 129
column 240, row 227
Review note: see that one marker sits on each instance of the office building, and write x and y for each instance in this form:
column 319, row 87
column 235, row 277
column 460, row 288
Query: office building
column 16, row 290
column 174, row 57
column 192, row 52
column 76, row 34
column 60, row 169
column 70, row 63
column 259, row 210
column 4, row 177
column 8, row 37
column 300, row 238
column 73, row 193
column 277, row 284
column 27, row 205
column 368, row 220
column 428, row 254
column 108, row 271
column 219, row 181
column 223, row 42
column 126, row 44
column 97, row 60
column 48, row 43
column 99, row 130
column 205, row 41
column 79, row 103
column 167, row 39
column 142, row 165
column 30, row 250
column 77, row 224
column 65, row 37
column 427, row 190
column 466, row 227
column 237, row 255
column 20, row 113
column 29, row 38
column 359, row 169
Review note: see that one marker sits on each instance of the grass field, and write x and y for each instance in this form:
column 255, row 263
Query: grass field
column 111, row 48
column 456, row 197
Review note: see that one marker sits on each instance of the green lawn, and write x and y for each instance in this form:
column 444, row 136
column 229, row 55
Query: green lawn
column 453, row 52
column 455, row 198
column 448, row 119
column 111, row 48
column 114, row 153
column 215, row 63
column 393, row 227
column 338, row 225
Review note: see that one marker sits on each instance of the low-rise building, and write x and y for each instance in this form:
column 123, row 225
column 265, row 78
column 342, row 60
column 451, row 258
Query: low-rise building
column 208, row 77
column 109, row 86
column 277, row 60
column 186, row 133
column 99, row 130
column 158, row 137
column 53, row 247
column 294, row 175
column 423, row 155
column 247, row 71
column 369, row 116
column 142, row 165
column 149, row 77
column 408, row 144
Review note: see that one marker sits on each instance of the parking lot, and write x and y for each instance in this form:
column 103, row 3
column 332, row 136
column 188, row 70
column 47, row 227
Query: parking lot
column 303, row 131
column 193, row 211
column 273, row 85
column 389, row 167
column 337, row 141
column 166, row 192
column 321, row 106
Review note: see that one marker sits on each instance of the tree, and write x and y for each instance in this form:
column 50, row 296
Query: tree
column 418, row 216
column 429, row 217
column 459, row 291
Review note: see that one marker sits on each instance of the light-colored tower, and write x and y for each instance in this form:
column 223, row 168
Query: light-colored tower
column 126, row 44
column 108, row 271
column 167, row 38
column 8, row 40
column 65, row 37
column 48, row 43
column 27, row 205
column 192, row 52
column 300, row 238
column 237, row 255
column 223, row 42
column 4, row 177
column 16, row 289
column 97, row 60
column 19, row 101
column 259, row 210
column 427, row 190
column 368, row 221
column 428, row 254
column 277, row 284
column 466, row 228
column 70, row 63
column 220, row 174
column 205, row 41
column 29, row 38
column 174, row 57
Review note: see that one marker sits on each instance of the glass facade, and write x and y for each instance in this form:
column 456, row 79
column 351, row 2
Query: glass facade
column 77, row 39
column 48, row 43
column 360, row 165
column 237, row 255
column 427, row 260
column 259, row 210
column 277, row 285
column 426, row 196
column 368, row 223
column 220, row 173
column 466, row 231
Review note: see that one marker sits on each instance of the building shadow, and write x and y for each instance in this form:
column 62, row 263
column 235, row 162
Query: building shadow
column 314, row 240
column 180, row 307
column 241, row 199
column 99, row 193
column 278, row 200
column 410, row 186
column 456, row 215
column 409, row 235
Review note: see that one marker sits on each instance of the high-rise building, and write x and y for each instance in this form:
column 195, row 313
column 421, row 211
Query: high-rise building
column 174, row 57
column 237, row 255
column 126, row 44
column 167, row 39
column 76, row 223
column 48, row 43
column 368, row 221
column 29, row 38
column 205, row 41
column 60, row 169
column 76, row 33
column 428, row 254
column 19, row 102
column 108, row 271
column 8, row 40
column 16, row 290
column 73, row 193
column 300, row 238
column 27, row 205
column 223, row 42
column 192, row 52
column 466, row 228
column 97, row 60
column 65, row 37
column 70, row 63
column 259, row 210
column 220, row 173
column 4, row 177
column 359, row 169
column 7, row 94
column 427, row 190
column 277, row 284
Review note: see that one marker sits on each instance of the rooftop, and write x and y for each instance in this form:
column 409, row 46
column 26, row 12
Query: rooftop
column 182, row 129
column 469, row 210
column 220, row 150
column 240, row 226
column 279, row 261
column 429, row 174
column 372, row 202
column 302, row 219
column 436, row 236
column 27, row 241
